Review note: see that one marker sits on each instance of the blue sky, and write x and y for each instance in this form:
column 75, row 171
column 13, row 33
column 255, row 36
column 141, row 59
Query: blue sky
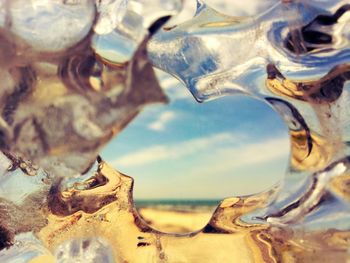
column 225, row 147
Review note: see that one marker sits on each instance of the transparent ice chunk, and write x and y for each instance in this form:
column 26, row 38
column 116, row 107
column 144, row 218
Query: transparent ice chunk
column 51, row 25
column 89, row 250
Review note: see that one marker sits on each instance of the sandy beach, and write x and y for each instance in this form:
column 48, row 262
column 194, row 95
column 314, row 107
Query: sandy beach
column 176, row 221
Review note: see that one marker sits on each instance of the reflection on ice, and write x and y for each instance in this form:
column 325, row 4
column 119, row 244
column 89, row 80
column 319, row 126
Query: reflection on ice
column 75, row 73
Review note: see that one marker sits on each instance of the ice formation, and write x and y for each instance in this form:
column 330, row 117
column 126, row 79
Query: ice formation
column 74, row 73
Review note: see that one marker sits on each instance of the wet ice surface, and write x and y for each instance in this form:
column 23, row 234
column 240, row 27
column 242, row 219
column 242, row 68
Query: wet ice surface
column 65, row 98
column 89, row 250
column 84, row 92
column 35, row 22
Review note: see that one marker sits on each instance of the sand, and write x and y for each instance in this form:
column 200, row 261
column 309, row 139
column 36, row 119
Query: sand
column 175, row 221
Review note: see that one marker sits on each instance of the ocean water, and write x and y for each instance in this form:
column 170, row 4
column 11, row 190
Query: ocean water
column 183, row 205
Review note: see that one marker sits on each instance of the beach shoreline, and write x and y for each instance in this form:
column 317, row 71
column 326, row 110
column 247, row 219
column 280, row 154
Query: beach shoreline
column 177, row 216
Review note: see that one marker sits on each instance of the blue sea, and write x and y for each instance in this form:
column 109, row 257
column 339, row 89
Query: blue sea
column 178, row 204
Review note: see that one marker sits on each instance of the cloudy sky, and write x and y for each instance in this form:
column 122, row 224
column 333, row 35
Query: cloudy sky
column 226, row 147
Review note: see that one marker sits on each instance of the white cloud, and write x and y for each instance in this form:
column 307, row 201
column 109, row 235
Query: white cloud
column 174, row 151
column 163, row 119
column 213, row 167
column 225, row 159
column 223, row 155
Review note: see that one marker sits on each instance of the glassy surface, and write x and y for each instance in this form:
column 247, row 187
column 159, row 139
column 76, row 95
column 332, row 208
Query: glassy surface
column 74, row 74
